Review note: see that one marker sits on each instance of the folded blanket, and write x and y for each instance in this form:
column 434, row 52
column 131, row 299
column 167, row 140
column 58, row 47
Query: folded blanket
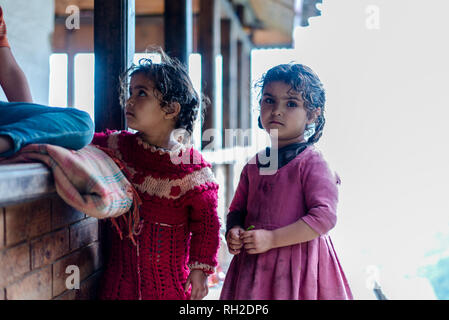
column 90, row 180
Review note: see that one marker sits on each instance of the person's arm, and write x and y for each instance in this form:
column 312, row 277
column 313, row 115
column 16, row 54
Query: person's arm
column 237, row 210
column 259, row 241
column 205, row 241
column 321, row 198
column 235, row 220
column 12, row 79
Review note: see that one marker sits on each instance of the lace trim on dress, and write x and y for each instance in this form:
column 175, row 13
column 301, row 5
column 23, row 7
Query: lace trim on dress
column 174, row 151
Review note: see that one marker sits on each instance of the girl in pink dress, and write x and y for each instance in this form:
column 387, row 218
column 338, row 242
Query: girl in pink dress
column 278, row 222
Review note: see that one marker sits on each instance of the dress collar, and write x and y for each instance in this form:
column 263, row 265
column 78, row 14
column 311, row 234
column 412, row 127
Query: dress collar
column 285, row 154
column 148, row 146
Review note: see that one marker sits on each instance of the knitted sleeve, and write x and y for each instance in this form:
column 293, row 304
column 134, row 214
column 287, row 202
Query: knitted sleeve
column 3, row 38
column 101, row 138
column 237, row 210
column 320, row 194
column 205, row 227
column 109, row 139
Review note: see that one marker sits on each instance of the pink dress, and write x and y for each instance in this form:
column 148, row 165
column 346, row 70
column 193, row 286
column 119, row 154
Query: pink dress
column 305, row 188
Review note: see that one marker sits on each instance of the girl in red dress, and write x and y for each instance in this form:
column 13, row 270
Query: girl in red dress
column 173, row 249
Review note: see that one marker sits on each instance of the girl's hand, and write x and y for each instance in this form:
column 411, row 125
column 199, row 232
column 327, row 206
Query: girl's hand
column 233, row 240
column 257, row 241
column 198, row 279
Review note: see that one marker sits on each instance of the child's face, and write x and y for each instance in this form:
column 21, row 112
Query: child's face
column 143, row 108
column 283, row 109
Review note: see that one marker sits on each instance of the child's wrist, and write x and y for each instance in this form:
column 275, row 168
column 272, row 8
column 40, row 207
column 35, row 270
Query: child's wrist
column 207, row 269
column 202, row 270
column 273, row 239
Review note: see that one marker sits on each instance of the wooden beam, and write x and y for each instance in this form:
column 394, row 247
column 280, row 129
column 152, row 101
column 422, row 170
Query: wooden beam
column 244, row 87
column 149, row 30
column 178, row 29
column 114, row 27
column 271, row 38
column 70, row 69
column 229, row 191
column 228, row 12
column 208, row 47
column 229, row 92
column 230, row 99
column 143, row 7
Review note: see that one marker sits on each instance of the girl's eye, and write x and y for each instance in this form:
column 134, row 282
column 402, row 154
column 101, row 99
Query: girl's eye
column 142, row 93
column 291, row 104
column 268, row 100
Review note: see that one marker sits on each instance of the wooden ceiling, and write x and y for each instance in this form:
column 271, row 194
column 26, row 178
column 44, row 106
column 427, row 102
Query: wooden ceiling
column 269, row 22
column 143, row 7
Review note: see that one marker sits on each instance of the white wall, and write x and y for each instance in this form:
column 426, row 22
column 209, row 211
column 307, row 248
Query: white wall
column 30, row 24
column 386, row 134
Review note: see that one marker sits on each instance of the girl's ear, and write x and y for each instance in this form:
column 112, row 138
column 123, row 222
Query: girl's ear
column 172, row 110
column 314, row 115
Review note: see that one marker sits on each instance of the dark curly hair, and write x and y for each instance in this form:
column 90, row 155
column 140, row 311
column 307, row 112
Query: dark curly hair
column 302, row 79
column 171, row 79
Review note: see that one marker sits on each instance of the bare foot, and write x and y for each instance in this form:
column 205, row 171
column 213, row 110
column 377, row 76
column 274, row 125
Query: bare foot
column 6, row 144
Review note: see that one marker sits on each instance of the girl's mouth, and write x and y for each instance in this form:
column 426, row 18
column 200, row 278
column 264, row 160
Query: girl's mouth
column 276, row 122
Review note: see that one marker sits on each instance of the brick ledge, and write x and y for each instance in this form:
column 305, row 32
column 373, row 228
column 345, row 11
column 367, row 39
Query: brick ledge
column 24, row 182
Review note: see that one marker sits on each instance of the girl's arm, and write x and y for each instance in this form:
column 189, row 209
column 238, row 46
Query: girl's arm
column 294, row 233
column 205, row 229
column 237, row 209
column 12, row 79
column 321, row 197
column 259, row 241
column 235, row 219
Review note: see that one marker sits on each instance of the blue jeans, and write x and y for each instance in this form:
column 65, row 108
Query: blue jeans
column 27, row 123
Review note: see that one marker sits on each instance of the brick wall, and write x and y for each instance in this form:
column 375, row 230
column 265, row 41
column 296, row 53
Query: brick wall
column 38, row 240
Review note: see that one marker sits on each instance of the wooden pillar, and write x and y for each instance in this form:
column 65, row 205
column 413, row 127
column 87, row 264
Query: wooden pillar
column 70, row 68
column 178, row 29
column 70, row 79
column 244, row 87
column 230, row 98
column 208, row 47
column 114, row 29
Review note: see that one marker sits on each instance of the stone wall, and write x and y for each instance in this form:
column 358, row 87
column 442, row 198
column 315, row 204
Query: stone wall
column 30, row 25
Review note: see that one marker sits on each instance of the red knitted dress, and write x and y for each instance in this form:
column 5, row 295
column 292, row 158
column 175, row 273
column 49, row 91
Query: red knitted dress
column 180, row 228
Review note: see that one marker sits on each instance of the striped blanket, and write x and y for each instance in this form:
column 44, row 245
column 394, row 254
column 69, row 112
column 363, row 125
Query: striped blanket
column 90, row 180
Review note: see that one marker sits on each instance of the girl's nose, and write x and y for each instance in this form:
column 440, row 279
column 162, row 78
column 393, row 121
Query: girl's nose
column 276, row 110
column 129, row 103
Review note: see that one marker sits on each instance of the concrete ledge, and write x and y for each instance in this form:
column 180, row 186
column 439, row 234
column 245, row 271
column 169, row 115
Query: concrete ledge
column 24, row 182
